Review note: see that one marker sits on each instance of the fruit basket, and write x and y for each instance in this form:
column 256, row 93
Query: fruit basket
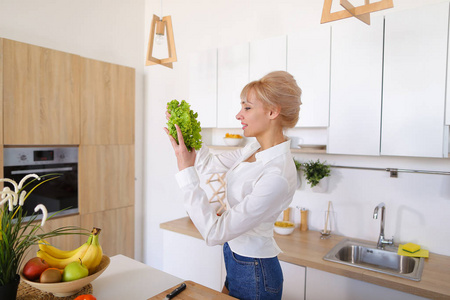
column 64, row 289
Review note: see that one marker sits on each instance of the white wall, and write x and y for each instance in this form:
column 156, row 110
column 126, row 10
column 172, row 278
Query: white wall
column 106, row 30
column 417, row 205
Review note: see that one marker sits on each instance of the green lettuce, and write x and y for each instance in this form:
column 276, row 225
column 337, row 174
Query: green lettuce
column 182, row 115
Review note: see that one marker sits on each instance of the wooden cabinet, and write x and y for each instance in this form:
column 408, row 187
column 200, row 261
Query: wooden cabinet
column 414, row 82
column 41, row 95
column 106, row 154
column 294, row 281
column 308, row 60
column 51, row 97
column 356, row 85
column 232, row 76
column 323, row 285
column 266, row 56
column 117, row 235
column 203, row 87
column 107, row 103
column 106, row 177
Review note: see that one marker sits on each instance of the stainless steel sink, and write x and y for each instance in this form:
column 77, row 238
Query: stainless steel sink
column 366, row 256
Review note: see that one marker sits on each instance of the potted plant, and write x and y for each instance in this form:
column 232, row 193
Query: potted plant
column 315, row 171
column 18, row 231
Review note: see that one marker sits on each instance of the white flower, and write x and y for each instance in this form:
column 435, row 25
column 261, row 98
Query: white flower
column 25, row 179
column 22, row 198
column 7, row 195
column 44, row 212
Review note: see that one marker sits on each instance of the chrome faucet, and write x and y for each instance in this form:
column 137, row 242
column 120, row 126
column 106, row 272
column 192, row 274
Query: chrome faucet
column 381, row 240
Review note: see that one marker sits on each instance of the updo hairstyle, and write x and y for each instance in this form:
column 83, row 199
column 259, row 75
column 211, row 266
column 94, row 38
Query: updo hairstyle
column 277, row 89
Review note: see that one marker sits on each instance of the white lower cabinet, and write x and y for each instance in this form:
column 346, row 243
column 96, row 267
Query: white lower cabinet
column 191, row 259
column 323, row 285
column 294, row 281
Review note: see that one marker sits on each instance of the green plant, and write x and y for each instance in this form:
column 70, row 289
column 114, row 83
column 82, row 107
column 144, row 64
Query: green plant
column 298, row 165
column 17, row 230
column 182, row 115
column 315, row 171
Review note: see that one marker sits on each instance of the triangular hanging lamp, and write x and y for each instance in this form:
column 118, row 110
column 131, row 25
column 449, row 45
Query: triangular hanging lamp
column 361, row 12
column 158, row 26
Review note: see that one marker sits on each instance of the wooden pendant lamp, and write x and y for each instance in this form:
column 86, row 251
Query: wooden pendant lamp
column 158, row 26
column 360, row 12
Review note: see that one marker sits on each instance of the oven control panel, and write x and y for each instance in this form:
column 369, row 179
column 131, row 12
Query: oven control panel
column 39, row 156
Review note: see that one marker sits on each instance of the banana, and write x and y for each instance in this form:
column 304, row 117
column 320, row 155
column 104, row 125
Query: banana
column 93, row 256
column 61, row 263
column 57, row 253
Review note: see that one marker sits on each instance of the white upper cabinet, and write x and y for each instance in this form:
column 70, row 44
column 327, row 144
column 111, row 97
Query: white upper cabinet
column 356, row 84
column 203, row 86
column 266, row 56
column 233, row 75
column 415, row 61
column 308, row 60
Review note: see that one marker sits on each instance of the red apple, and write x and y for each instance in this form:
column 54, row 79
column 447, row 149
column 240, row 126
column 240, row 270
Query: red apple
column 34, row 268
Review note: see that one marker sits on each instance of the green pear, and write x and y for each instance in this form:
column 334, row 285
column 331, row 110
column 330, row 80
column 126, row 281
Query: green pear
column 75, row 270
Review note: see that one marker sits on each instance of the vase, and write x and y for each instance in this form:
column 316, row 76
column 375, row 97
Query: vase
column 9, row 291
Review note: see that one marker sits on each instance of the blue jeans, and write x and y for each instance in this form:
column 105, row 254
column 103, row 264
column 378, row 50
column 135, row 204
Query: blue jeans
column 251, row 278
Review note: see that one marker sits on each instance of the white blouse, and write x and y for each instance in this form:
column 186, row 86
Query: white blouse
column 257, row 192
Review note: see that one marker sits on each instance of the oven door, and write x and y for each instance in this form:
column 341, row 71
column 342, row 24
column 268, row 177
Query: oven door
column 58, row 194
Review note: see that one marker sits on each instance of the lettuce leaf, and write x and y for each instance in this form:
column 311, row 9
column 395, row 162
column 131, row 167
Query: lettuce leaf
column 182, row 115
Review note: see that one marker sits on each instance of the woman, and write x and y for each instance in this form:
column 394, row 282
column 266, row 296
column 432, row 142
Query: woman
column 261, row 181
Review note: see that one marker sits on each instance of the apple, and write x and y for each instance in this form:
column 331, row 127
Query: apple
column 75, row 270
column 34, row 268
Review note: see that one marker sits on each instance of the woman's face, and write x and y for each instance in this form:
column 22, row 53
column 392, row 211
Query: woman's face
column 254, row 116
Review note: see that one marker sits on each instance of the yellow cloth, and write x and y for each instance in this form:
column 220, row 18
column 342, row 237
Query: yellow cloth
column 420, row 253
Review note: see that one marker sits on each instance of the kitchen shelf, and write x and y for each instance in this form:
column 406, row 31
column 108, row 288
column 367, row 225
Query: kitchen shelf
column 308, row 150
column 293, row 150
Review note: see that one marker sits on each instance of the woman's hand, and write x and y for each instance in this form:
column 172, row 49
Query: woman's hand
column 185, row 159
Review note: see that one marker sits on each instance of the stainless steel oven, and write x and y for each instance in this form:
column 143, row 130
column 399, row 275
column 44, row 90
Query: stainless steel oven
column 58, row 194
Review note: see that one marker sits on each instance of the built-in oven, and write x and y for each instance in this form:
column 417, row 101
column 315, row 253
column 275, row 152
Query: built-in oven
column 58, row 194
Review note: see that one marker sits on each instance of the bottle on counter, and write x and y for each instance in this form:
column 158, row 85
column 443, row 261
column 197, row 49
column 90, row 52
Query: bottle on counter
column 303, row 219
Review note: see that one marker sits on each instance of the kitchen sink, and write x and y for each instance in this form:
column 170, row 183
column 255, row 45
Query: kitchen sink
column 367, row 256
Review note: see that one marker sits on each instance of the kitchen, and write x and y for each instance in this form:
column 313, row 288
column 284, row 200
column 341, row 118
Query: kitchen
column 117, row 32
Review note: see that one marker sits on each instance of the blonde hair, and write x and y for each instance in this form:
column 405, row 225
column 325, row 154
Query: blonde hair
column 277, row 89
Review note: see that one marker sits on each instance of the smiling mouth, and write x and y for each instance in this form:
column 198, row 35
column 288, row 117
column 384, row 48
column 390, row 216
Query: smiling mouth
column 244, row 125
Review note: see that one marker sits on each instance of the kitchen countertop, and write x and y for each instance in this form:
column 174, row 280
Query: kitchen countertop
column 126, row 278
column 307, row 249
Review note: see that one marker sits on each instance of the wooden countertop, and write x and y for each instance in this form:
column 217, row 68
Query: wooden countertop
column 307, row 249
column 194, row 291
